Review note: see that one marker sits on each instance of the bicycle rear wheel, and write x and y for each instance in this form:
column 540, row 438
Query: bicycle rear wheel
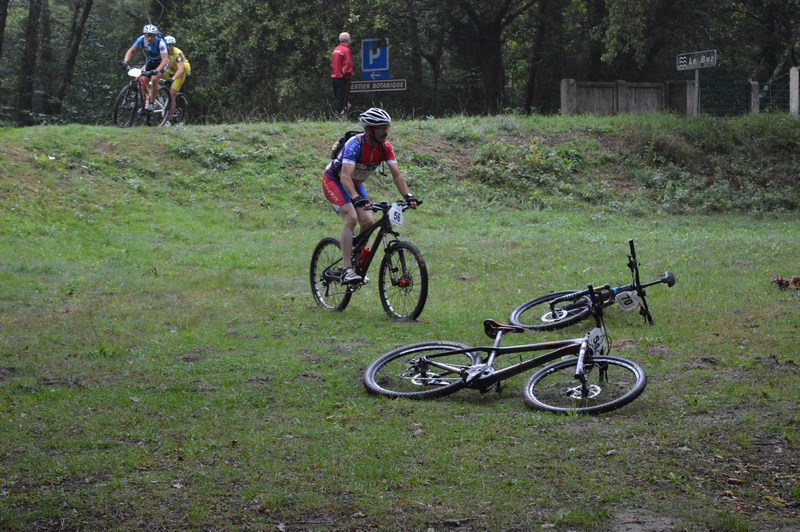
column 404, row 373
column 537, row 315
column 326, row 270
column 126, row 106
column 403, row 281
column 611, row 382
column 181, row 115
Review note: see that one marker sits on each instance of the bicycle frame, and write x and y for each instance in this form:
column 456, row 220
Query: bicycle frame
column 385, row 235
column 383, row 228
column 483, row 377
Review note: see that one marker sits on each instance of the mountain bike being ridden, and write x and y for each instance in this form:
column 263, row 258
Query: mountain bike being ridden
column 178, row 70
column 130, row 107
column 402, row 276
column 343, row 181
column 156, row 61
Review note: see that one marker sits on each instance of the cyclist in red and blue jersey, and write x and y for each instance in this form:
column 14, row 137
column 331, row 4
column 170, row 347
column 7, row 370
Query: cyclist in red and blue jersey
column 156, row 56
column 343, row 181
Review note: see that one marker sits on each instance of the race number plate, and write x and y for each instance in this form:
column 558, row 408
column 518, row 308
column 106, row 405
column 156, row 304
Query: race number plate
column 597, row 340
column 396, row 215
column 628, row 300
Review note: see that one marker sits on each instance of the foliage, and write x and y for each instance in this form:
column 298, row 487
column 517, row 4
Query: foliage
column 257, row 61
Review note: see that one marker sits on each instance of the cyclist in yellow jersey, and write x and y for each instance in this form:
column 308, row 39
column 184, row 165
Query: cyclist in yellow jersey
column 177, row 70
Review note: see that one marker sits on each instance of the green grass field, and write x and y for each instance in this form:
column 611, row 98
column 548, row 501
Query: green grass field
column 164, row 366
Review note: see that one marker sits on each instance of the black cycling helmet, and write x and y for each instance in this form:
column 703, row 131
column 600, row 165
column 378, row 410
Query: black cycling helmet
column 374, row 117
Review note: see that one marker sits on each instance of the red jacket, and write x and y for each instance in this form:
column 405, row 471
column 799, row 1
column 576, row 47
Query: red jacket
column 341, row 62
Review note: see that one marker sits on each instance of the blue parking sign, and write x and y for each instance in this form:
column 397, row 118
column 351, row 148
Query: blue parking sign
column 374, row 54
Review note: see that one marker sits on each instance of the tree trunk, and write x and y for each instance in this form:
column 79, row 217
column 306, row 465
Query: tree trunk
column 3, row 16
column 418, row 90
column 536, row 53
column 28, row 67
column 597, row 13
column 494, row 72
column 46, row 61
column 489, row 28
column 546, row 67
column 79, row 18
column 434, row 59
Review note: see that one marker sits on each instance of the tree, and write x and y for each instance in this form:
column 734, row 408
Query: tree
column 424, row 25
column 80, row 15
column 481, row 33
column 543, row 68
column 28, row 66
column 3, row 16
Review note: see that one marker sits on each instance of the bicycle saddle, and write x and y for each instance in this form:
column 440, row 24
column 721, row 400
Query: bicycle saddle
column 492, row 327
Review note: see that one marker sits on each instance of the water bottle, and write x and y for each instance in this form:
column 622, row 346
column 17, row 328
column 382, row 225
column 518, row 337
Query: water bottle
column 362, row 256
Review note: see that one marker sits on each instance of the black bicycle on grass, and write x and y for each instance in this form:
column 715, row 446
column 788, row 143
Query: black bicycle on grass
column 560, row 309
column 591, row 382
column 403, row 276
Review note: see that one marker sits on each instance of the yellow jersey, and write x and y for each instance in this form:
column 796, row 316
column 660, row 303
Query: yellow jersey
column 176, row 56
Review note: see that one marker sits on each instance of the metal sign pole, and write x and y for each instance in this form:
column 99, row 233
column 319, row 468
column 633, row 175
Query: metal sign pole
column 697, row 92
column 695, row 61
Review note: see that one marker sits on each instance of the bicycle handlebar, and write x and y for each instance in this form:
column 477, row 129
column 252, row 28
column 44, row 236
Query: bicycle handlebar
column 667, row 278
column 384, row 206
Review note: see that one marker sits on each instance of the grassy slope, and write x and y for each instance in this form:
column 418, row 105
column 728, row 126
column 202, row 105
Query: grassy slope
column 162, row 363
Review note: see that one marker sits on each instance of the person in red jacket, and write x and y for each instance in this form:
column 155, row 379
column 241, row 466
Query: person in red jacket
column 341, row 72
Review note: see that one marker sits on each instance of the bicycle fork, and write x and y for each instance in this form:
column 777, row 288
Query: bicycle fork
column 593, row 342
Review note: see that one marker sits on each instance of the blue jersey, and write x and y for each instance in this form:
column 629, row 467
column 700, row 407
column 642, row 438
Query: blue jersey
column 152, row 52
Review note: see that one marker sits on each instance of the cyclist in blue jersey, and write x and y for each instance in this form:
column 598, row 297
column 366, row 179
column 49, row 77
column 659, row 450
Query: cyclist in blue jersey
column 343, row 180
column 156, row 59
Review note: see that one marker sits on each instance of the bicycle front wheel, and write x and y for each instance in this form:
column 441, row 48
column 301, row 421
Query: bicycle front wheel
column 326, row 270
column 403, row 281
column 160, row 112
column 537, row 315
column 410, row 371
column 611, row 382
column 126, row 106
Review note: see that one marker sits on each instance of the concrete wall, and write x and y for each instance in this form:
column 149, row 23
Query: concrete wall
column 611, row 98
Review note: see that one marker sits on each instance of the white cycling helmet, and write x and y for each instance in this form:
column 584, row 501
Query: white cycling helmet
column 150, row 29
column 374, row 117
column 169, row 39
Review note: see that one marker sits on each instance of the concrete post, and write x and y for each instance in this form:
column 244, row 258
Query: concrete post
column 692, row 104
column 794, row 91
column 755, row 100
column 569, row 97
column 622, row 103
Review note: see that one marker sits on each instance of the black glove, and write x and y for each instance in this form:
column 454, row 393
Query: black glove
column 410, row 198
column 125, row 65
column 149, row 73
column 359, row 202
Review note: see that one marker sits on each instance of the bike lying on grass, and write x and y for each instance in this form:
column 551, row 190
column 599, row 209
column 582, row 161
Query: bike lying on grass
column 129, row 108
column 560, row 309
column 403, row 275
column 592, row 382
